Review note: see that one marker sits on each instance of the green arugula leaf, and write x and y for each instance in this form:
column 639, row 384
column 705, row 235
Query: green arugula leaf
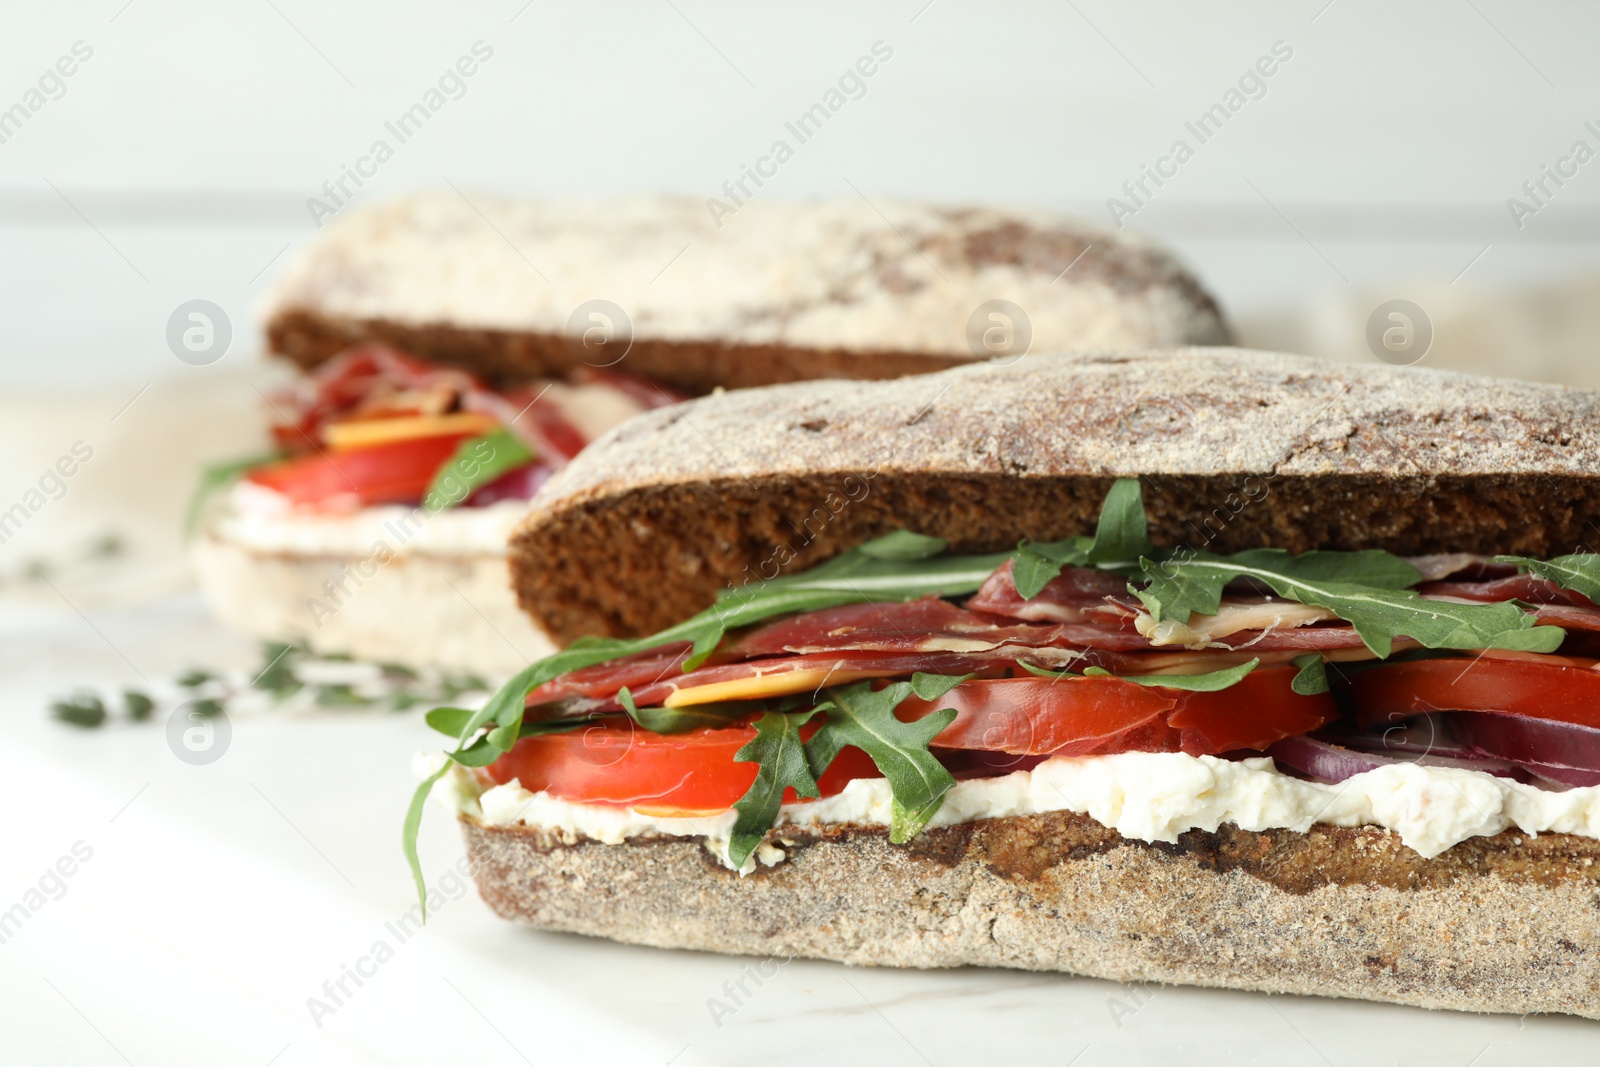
column 554, row 726
column 1036, row 563
column 408, row 834
column 1044, row 673
column 934, row 686
column 903, row 545
column 1123, row 533
column 857, row 715
column 781, row 762
column 1312, row 678
column 681, row 720
column 855, row 577
column 213, row 479
column 480, row 753
column 1121, row 537
column 1579, row 572
column 1369, row 594
column 448, row 721
column 1210, row 682
column 477, row 461
column 850, row 578
column 1180, row 588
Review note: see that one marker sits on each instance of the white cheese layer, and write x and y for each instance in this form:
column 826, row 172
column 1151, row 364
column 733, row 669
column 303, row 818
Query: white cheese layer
column 1146, row 796
column 258, row 518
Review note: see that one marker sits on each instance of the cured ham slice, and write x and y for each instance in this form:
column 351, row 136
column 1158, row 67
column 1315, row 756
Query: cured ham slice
column 1523, row 587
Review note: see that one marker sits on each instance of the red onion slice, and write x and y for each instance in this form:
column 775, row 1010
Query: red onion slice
column 1567, row 776
column 1560, row 751
column 1335, row 763
column 1430, row 734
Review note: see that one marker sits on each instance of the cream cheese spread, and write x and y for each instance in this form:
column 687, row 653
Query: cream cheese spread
column 1146, row 796
column 257, row 518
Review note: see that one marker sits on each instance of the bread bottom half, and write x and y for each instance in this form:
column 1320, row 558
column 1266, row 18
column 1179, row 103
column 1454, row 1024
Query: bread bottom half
column 447, row 610
column 1503, row 924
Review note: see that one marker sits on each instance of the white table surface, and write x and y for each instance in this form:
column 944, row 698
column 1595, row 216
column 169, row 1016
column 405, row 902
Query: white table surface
column 219, row 898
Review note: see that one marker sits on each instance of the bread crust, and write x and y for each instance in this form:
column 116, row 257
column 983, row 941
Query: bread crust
column 1503, row 924
column 1236, row 449
column 784, row 292
column 500, row 356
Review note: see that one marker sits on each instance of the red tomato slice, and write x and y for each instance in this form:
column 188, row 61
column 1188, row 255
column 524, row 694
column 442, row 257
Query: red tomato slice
column 681, row 774
column 1550, row 687
column 1036, row 716
column 394, row 473
column 1078, row 716
column 696, row 771
column 1252, row 714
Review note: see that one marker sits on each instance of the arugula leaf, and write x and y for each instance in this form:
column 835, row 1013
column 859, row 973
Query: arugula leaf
column 214, row 478
column 1579, row 572
column 408, row 834
column 1180, row 588
column 781, row 762
column 1122, row 536
column 480, row 753
column 1210, row 682
column 855, row 577
column 1369, row 594
column 934, row 686
column 476, row 462
column 1123, row 533
column 1036, row 563
column 450, row 720
column 680, row 720
column 1312, row 678
column 852, row 577
column 860, row 716
column 903, row 545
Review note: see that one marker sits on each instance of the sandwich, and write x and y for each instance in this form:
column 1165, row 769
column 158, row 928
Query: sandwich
column 1192, row 666
column 453, row 353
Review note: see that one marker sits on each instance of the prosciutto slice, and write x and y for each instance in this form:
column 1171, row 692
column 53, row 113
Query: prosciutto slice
column 1077, row 594
column 821, row 670
column 1523, row 587
column 925, row 625
column 1082, row 618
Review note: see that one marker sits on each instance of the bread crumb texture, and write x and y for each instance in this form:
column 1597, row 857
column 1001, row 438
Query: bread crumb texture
column 1236, row 449
column 779, row 292
column 1503, row 924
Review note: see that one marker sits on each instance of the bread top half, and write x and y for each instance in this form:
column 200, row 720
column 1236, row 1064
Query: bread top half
column 1235, row 449
column 845, row 275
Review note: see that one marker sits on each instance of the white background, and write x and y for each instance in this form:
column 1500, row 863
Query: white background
column 177, row 166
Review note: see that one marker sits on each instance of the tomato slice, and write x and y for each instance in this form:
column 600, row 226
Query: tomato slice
column 695, row 772
column 394, row 473
column 1079, row 716
column 677, row 774
column 1260, row 709
column 1036, row 716
column 1553, row 687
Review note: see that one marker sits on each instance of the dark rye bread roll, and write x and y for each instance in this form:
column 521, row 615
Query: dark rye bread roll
column 1236, row 449
column 775, row 292
column 1509, row 923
